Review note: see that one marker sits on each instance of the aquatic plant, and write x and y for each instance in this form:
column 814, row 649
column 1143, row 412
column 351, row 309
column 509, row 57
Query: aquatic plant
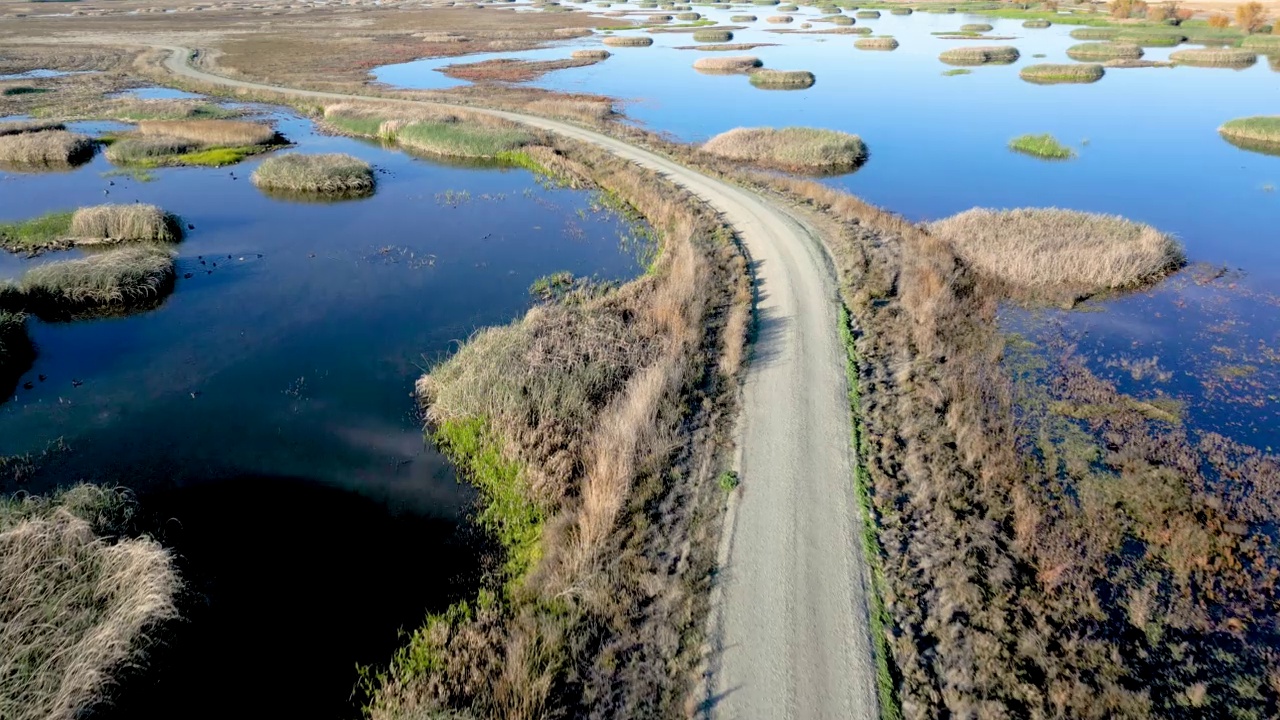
column 867, row 14
column 114, row 277
column 1095, row 33
column 1032, row 247
column 82, row 600
column 793, row 149
column 782, row 79
column 1049, row 73
column 1259, row 133
column 211, row 133
column 123, row 223
column 1152, row 38
column 628, row 41
column 1104, row 51
column 1042, row 146
column 989, row 55
column 712, row 36
column 742, row 18
column 876, row 43
column 47, row 149
column 900, row 11
column 976, row 27
column 837, row 20
column 729, row 64
column 591, row 54
column 1215, row 57
column 1036, row 24
column 328, row 174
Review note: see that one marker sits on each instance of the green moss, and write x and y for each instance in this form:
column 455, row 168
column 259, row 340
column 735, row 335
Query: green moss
column 39, row 233
column 1042, row 146
column 514, row 520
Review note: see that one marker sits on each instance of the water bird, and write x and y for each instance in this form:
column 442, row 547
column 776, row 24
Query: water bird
column 28, row 385
column 43, row 378
column 190, row 226
column 186, row 276
column 77, row 383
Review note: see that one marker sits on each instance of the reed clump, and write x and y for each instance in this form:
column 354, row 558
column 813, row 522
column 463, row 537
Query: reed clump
column 1100, row 51
column 876, row 43
column 812, row 151
column 114, row 278
column 725, row 65
column 1050, row 73
column 18, row 127
column 211, row 133
column 1259, row 133
column 843, row 20
column 780, row 19
column 103, row 224
column 1036, row 24
column 1152, row 38
column 742, row 18
column 867, row 14
column 901, row 11
column 1095, row 33
column 628, row 41
column 331, row 174
column 688, row 16
column 591, row 54
column 1261, row 43
column 782, row 79
column 211, row 143
column 976, row 27
column 1215, row 57
column 81, row 601
column 1043, row 146
column 46, row 149
column 990, row 55
column 712, row 36
column 432, row 133
column 1033, row 248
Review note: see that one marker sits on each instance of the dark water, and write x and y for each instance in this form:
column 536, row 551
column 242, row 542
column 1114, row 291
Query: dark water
column 1147, row 146
column 263, row 412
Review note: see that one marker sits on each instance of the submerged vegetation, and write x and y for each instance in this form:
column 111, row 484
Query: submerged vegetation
column 82, row 600
column 791, row 149
column 1260, row 133
column 329, row 174
column 1048, row 73
column 1047, row 249
column 782, row 79
column 994, row 55
column 1041, row 146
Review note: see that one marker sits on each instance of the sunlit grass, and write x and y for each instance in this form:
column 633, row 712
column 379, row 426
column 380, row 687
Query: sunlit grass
column 1042, row 146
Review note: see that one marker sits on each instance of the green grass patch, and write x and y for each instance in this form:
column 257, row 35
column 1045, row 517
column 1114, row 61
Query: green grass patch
column 1258, row 134
column 39, row 233
column 1095, row 33
column 1099, row 51
column 461, row 140
column 1261, row 43
column 1215, row 57
column 994, row 55
column 506, row 511
column 1049, row 73
column 956, row 71
column 162, row 110
column 1042, row 146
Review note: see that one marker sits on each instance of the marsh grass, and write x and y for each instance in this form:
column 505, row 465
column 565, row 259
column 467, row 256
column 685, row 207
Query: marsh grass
column 47, row 149
column 867, row 14
column 591, row 54
column 1095, row 33
column 328, row 174
column 1043, row 146
column 780, row 19
column 812, row 151
column 439, row 134
column 1100, row 51
column 742, row 18
column 1259, row 134
column 989, row 55
column 956, row 71
column 208, row 143
column 137, row 110
column 1151, row 38
column 118, row 277
column 628, row 41
column 782, row 79
column 1036, row 24
column 209, row 133
column 876, row 43
column 841, row 20
column 104, row 224
column 900, row 11
column 18, row 127
column 1261, row 43
column 1215, row 57
column 976, row 27
column 727, row 64
column 46, row 231
column 1050, row 73
column 713, row 36
column 1048, row 248
column 80, row 601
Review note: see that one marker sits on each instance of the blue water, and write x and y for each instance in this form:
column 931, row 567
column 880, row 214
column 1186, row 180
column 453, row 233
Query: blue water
column 1147, row 146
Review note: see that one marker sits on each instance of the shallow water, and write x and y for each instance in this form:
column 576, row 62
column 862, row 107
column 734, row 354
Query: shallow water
column 1147, row 147
column 264, row 410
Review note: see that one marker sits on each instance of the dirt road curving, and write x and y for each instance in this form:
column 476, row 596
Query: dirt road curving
column 789, row 633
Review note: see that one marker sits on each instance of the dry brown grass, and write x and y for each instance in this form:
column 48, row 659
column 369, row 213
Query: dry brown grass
column 730, row 64
column 591, row 54
column 124, row 223
column 793, row 149
column 782, row 79
column 76, row 605
column 877, row 43
column 1049, row 248
column 49, row 149
column 114, row 278
column 628, row 41
column 18, row 127
column 327, row 174
column 225, row 133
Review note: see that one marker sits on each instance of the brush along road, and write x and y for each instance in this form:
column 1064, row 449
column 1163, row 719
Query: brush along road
column 789, row 636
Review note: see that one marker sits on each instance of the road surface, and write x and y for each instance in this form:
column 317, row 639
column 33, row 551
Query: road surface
column 789, row 635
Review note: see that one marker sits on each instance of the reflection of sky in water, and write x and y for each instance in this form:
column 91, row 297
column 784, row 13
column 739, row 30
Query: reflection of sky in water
column 1148, row 149
column 295, row 355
